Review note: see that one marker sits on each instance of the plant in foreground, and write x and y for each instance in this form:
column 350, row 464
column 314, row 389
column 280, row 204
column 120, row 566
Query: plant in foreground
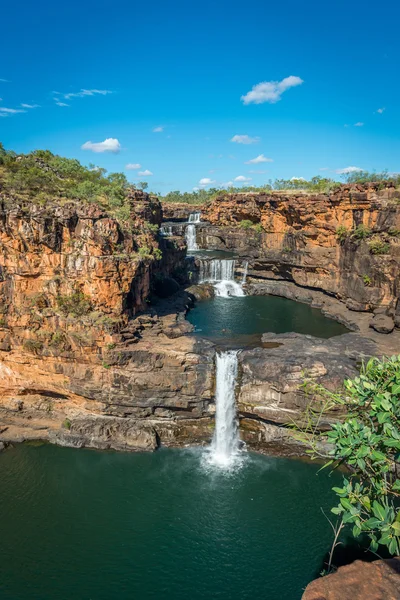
column 367, row 441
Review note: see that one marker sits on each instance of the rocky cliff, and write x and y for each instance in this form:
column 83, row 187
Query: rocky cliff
column 346, row 243
column 84, row 358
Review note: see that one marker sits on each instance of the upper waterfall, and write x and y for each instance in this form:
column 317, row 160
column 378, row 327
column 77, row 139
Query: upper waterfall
column 194, row 217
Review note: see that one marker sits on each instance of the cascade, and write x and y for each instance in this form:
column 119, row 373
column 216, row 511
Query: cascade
column 245, row 269
column 225, row 446
column 166, row 230
column 194, row 217
column 222, row 274
column 190, row 235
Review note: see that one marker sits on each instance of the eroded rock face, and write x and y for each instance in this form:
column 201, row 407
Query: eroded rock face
column 271, row 398
column 379, row 580
column 296, row 237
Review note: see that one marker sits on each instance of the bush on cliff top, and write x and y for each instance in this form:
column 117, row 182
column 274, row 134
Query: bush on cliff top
column 42, row 176
column 367, row 441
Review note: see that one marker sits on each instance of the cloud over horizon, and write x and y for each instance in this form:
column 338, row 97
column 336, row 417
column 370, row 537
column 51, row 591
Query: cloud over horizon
column 145, row 173
column 348, row 170
column 242, row 178
column 270, row 91
column 109, row 145
column 132, row 166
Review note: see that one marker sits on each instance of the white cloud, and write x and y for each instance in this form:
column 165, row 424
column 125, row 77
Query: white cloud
column 381, row 110
column 227, row 184
column 145, row 173
column 158, row 129
column 196, row 189
column 245, row 139
column 30, row 105
column 82, row 93
column 59, row 103
column 347, row 170
column 359, row 124
column 206, row 181
column 270, row 91
column 132, row 166
column 5, row 112
column 242, row 178
column 298, row 179
column 109, row 145
column 258, row 159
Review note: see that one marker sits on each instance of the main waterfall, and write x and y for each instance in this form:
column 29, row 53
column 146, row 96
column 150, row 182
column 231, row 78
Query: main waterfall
column 190, row 231
column 225, row 447
column 222, row 274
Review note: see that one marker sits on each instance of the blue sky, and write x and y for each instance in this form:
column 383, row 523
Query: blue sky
column 187, row 68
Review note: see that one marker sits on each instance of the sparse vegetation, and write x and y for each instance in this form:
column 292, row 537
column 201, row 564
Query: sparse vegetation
column 66, row 424
column 361, row 232
column 76, row 304
column 246, row 224
column 33, row 345
column 342, row 233
column 366, row 280
column 379, row 247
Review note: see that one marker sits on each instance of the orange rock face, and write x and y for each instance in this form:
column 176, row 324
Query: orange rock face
column 297, row 237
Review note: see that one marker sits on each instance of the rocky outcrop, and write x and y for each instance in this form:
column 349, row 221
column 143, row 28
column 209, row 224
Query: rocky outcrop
column 271, row 399
column 177, row 211
column 379, row 580
column 345, row 243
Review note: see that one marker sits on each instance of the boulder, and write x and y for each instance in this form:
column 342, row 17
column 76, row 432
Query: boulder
column 382, row 323
column 379, row 580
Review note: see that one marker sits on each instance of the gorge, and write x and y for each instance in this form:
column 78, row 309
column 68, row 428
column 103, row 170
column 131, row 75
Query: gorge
column 190, row 331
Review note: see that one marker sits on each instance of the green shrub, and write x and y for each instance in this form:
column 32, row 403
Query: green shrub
column 368, row 442
column 246, row 224
column 151, row 227
column 379, row 247
column 33, row 345
column 258, row 228
column 342, row 233
column 366, row 280
column 66, row 424
column 157, row 254
column 361, row 232
column 77, row 304
column 144, row 251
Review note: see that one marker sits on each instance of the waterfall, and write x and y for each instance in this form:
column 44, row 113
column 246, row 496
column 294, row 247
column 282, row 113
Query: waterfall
column 226, row 442
column 194, row 217
column 166, row 230
column 245, row 269
column 222, row 274
column 190, row 235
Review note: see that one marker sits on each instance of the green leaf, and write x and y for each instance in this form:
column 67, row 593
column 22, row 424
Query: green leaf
column 356, row 531
column 372, row 523
column 345, row 502
column 339, row 490
column 377, row 509
column 393, row 546
column 396, row 527
column 396, row 388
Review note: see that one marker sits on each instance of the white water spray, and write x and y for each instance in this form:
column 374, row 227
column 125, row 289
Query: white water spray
column 225, row 447
column 194, row 217
column 245, row 269
column 190, row 235
column 222, row 274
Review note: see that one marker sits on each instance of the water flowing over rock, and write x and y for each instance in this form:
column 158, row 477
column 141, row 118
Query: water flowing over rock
column 221, row 273
column 194, row 217
column 190, row 235
column 225, row 445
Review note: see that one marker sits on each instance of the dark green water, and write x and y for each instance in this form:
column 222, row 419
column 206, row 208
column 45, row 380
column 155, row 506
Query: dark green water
column 88, row 525
column 241, row 318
